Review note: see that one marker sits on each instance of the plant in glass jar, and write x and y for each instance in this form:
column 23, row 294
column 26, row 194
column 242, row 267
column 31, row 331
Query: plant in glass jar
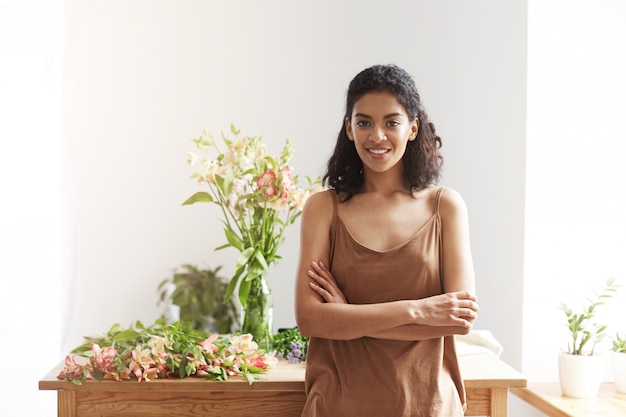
column 259, row 197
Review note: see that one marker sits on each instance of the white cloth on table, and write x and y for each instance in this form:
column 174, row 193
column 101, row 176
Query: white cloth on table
column 478, row 341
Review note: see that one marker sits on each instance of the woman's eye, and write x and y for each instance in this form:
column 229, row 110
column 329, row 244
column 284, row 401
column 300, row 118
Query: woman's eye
column 393, row 123
column 362, row 123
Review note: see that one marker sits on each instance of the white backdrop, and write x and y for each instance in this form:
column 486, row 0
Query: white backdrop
column 116, row 89
column 145, row 77
column 140, row 78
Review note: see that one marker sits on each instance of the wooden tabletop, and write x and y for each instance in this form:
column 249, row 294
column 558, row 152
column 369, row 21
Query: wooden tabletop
column 547, row 398
column 482, row 370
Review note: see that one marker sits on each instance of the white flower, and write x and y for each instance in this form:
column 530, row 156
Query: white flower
column 242, row 344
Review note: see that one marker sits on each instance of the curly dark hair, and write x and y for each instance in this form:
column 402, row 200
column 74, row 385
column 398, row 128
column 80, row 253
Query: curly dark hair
column 422, row 159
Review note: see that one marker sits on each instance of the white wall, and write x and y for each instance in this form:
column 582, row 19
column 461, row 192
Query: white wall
column 576, row 180
column 31, row 283
column 143, row 77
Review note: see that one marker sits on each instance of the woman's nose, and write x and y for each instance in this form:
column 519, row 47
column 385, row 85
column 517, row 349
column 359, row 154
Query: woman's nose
column 378, row 136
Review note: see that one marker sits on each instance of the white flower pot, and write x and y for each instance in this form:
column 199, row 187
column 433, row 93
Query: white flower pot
column 580, row 376
column 619, row 371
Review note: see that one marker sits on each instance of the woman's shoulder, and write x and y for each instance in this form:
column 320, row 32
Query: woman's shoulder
column 450, row 201
column 320, row 202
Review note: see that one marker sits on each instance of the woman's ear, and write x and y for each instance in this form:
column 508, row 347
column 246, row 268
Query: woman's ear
column 348, row 126
column 414, row 129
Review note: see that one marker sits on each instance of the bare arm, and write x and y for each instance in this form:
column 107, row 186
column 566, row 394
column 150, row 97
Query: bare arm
column 459, row 308
column 317, row 315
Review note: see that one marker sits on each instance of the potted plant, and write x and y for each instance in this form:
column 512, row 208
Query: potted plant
column 581, row 368
column 198, row 295
column 619, row 362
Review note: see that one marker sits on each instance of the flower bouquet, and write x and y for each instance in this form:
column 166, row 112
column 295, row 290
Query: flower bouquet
column 163, row 350
column 259, row 197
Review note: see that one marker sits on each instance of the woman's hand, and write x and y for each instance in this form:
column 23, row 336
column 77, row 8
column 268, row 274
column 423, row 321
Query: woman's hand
column 458, row 308
column 324, row 284
column 450, row 309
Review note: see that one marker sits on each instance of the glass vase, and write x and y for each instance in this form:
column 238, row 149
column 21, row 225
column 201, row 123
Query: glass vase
column 258, row 314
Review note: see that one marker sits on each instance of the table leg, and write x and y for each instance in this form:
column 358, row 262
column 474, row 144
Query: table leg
column 499, row 402
column 66, row 406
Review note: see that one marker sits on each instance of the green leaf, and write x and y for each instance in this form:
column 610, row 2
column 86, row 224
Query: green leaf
column 261, row 260
column 244, row 257
column 232, row 284
column 233, row 240
column 199, row 197
column 234, row 130
column 244, row 290
column 126, row 336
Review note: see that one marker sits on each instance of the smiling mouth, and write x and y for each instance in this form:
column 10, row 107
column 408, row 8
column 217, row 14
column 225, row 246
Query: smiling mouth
column 379, row 151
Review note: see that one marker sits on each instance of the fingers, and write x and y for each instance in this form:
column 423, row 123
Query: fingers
column 321, row 291
column 319, row 276
column 323, row 283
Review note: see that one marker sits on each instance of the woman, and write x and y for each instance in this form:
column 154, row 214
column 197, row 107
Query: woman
column 385, row 277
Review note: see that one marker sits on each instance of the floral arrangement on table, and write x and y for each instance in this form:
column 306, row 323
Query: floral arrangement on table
column 290, row 345
column 164, row 350
column 259, row 197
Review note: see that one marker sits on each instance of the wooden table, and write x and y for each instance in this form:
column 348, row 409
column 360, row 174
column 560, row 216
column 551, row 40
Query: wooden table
column 547, row 398
column 281, row 393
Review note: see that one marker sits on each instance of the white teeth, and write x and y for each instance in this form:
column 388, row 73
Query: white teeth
column 378, row 151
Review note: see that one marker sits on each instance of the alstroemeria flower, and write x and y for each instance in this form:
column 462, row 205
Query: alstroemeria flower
column 192, row 158
column 256, row 360
column 286, row 181
column 142, row 364
column 72, row 369
column 103, row 358
column 270, row 192
column 159, row 345
column 243, row 344
column 208, row 345
column 265, row 179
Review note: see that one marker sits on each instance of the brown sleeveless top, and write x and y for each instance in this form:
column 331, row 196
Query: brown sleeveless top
column 375, row 377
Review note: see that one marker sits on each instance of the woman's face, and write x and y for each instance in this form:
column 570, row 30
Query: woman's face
column 380, row 129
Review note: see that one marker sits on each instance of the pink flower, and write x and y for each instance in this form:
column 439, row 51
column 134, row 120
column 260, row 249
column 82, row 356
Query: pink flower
column 208, row 345
column 270, row 192
column 243, row 344
column 125, row 374
column 142, row 364
column 256, row 360
column 286, row 181
column 265, row 179
column 103, row 358
column 158, row 345
column 72, row 370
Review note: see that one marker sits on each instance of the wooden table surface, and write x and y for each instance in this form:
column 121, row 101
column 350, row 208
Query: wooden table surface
column 487, row 381
column 547, row 398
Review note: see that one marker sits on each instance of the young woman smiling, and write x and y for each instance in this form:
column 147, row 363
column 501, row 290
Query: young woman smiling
column 385, row 276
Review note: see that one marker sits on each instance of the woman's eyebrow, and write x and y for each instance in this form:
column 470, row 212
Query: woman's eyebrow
column 387, row 116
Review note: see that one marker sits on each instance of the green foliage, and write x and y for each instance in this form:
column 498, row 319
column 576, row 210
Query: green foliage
column 619, row 343
column 291, row 345
column 163, row 350
column 258, row 197
column 123, row 339
column 584, row 332
column 200, row 295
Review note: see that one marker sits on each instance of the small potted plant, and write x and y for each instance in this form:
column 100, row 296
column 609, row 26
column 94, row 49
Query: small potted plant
column 196, row 296
column 581, row 368
column 619, row 362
